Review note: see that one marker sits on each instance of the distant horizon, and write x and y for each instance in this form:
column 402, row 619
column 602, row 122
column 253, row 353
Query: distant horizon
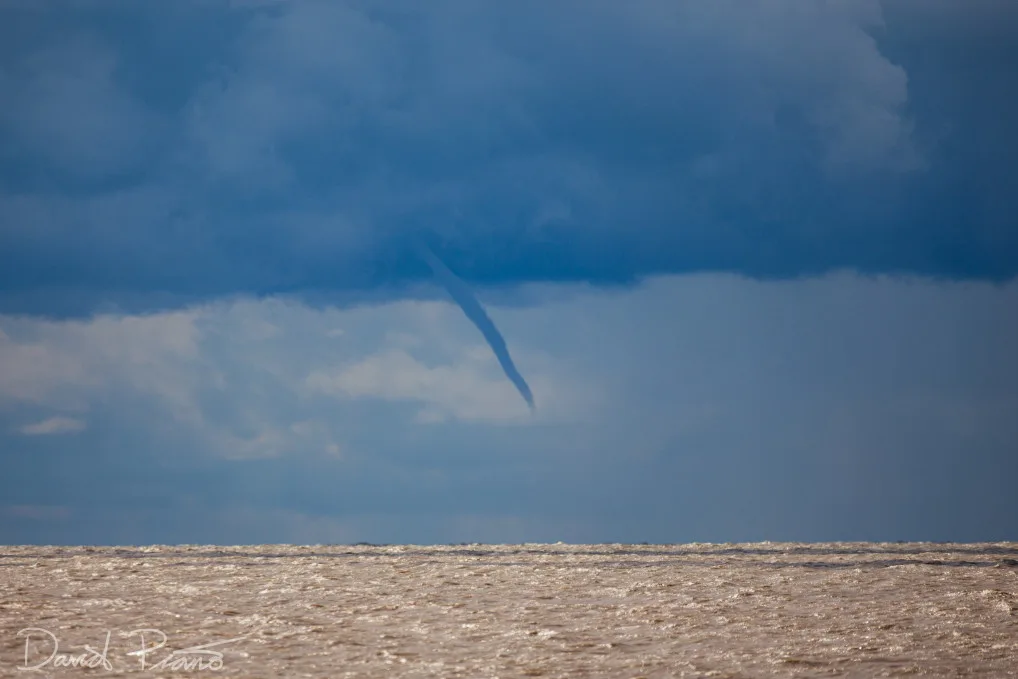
column 522, row 544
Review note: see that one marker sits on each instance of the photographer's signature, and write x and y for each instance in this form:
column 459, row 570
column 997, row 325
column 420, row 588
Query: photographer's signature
column 42, row 650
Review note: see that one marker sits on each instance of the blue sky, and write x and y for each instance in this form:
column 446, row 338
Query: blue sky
column 756, row 261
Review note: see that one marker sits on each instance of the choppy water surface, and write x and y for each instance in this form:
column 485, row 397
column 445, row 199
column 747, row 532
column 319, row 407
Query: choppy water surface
column 746, row 610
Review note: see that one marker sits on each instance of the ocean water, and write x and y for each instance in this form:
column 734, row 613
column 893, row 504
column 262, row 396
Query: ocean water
column 697, row 610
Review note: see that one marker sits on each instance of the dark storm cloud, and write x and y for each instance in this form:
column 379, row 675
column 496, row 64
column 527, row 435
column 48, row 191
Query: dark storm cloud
column 159, row 153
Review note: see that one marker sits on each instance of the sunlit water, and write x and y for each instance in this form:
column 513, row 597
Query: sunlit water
column 746, row 610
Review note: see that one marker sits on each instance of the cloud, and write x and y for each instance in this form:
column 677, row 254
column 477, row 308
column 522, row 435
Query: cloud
column 59, row 364
column 463, row 391
column 54, row 425
column 736, row 247
column 301, row 147
column 229, row 378
column 71, row 116
column 840, row 407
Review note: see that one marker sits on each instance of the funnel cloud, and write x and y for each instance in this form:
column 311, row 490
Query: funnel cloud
column 462, row 295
